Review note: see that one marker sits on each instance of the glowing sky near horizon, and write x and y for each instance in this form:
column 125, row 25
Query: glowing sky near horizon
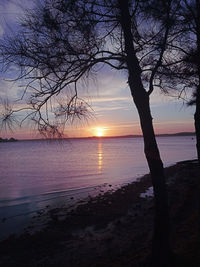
column 109, row 97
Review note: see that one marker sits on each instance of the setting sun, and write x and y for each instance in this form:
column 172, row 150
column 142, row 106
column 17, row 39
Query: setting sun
column 99, row 131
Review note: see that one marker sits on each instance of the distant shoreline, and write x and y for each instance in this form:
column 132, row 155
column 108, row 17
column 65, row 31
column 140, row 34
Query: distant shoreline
column 105, row 137
column 5, row 140
column 136, row 136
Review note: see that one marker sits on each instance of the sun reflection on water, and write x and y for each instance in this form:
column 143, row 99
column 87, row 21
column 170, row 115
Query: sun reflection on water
column 100, row 157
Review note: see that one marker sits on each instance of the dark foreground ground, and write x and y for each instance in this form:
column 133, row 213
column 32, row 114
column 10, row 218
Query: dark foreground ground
column 114, row 229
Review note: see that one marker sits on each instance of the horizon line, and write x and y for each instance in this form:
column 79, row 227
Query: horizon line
column 107, row 137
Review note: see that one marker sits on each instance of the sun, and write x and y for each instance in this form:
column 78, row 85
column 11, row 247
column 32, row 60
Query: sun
column 99, row 132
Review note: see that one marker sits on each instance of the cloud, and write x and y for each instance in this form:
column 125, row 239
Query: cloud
column 1, row 31
column 106, row 83
column 10, row 13
column 108, row 99
column 10, row 90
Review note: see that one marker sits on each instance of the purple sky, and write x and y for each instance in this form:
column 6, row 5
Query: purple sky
column 108, row 95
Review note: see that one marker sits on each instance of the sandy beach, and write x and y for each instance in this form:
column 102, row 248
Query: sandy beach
column 113, row 229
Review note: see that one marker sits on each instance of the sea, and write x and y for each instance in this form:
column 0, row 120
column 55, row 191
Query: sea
column 40, row 174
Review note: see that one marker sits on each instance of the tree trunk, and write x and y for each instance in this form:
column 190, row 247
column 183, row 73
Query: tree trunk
column 197, row 111
column 197, row 122
column 161, row 251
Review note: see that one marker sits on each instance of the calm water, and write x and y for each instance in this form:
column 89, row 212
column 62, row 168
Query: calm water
column 34, row 174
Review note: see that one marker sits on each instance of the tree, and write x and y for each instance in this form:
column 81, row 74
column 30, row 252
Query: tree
column 62, row 42
column 180, row 72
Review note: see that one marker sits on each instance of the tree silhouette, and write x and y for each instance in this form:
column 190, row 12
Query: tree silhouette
column 61, row 43
column 180, row 70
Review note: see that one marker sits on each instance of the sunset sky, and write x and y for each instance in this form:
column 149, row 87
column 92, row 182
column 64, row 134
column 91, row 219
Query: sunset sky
column 113, row 111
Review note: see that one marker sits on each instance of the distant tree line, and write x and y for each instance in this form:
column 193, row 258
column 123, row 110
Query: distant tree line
column 8, row 139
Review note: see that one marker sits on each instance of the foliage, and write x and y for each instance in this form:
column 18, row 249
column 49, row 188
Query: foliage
column 63, row 43
column 179, row 72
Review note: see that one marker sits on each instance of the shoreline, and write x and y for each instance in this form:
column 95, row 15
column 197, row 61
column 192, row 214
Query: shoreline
column 24, row 215
column 115, row 226
column 176, row 134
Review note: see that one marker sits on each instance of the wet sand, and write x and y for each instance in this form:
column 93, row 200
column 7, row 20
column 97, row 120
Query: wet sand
column 113, row 229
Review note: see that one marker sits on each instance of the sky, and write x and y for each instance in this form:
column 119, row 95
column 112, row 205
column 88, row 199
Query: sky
column 113, row 112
